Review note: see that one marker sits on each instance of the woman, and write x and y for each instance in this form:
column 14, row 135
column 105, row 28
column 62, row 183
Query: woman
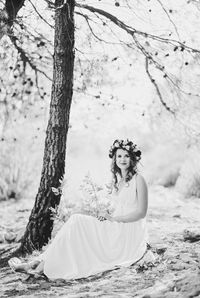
column 87, row 245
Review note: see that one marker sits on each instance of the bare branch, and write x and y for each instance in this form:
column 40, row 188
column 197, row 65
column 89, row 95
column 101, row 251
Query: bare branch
column 91, row 30
column 132, row 31
column 50, row 4
column 87, row 18
column 34, row 7
column 157, row 88
column 109, row 16
column 179, row 88
column 169, row 17
column 25, row 57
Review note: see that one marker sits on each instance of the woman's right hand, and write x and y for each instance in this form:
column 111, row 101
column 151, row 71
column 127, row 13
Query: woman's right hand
column 102, row 216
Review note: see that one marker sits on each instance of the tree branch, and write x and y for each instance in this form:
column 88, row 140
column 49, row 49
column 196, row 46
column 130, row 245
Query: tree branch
column 8, row 15
column 91, row 30
column 132, row 31
column 148, row 56
column 25, row 57
column 170, row 19
column 39, row 14
column 88, row 19
column 157, row 88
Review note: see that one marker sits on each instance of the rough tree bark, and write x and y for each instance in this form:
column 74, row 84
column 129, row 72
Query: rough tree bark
column 39, row 228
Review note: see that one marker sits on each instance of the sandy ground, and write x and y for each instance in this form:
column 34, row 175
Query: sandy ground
column 175, row 272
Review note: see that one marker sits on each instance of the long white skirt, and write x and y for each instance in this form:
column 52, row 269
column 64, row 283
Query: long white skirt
column 85, row 246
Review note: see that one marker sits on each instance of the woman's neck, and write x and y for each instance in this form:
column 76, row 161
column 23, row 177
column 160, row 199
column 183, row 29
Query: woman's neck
column 123, row 174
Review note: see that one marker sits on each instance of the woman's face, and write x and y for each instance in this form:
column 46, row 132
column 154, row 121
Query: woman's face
column 122, row 159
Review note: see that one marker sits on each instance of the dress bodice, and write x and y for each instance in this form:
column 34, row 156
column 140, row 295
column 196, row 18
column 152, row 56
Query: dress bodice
column 126, row 200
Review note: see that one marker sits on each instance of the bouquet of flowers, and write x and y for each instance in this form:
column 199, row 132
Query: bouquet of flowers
column 94, row 200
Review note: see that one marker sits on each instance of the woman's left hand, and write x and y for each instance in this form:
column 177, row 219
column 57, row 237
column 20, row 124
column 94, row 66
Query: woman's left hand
column 77, row 211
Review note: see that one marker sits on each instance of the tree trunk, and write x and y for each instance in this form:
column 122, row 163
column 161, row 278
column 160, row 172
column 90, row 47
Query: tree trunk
column 39, row 228
column 8, row 15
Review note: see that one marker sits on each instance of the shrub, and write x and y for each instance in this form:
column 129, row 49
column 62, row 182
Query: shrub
column 13, row 181
column 17, row 171
column 188, row 183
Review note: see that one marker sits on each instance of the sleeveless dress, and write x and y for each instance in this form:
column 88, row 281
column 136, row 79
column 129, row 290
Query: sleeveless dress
column 85, row 246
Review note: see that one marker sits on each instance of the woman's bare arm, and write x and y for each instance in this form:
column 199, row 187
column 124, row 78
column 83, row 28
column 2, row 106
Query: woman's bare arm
column 140, row 212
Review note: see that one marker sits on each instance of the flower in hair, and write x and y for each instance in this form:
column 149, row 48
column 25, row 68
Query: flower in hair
column 125, row 145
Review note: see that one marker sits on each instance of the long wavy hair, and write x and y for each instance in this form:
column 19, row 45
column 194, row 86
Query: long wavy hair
column 135, row 156
column 116, row 171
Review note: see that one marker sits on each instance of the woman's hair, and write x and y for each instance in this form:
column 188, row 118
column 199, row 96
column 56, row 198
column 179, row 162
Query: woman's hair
column 135, row 156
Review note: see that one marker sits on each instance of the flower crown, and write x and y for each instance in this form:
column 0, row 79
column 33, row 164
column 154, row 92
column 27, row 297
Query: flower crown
column 125, row 145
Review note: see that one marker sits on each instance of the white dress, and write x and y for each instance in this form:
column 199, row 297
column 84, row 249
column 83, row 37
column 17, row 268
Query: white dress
column 85, row 246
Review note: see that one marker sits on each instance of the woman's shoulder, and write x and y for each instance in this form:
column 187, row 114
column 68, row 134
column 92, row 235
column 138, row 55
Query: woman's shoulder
column 140, row 180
